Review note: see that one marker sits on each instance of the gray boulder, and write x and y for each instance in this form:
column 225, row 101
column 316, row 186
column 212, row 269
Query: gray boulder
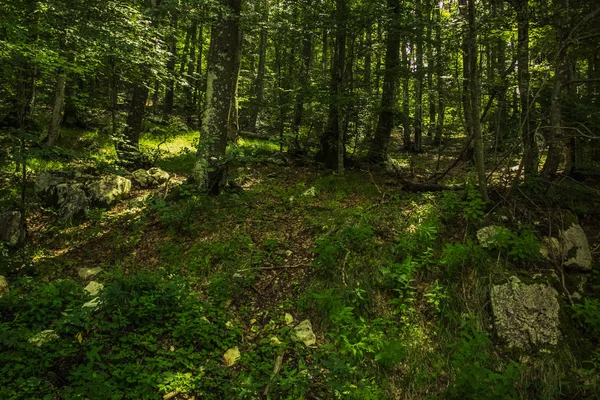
column 72, row 201
column 152, row 178
column 107, row 190
column 577, row 254
column 9, row 227
column 526, row 316
column 45, row 186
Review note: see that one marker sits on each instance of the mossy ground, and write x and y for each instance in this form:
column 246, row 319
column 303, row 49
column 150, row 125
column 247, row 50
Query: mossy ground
column 393, row 282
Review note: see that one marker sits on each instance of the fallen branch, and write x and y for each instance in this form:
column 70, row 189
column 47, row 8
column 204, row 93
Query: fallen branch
column 276, row 368
column 417, row 187
column 283, row 267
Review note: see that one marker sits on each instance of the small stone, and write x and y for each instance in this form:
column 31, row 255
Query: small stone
column 93, row 288
column 289, row 320
column 172, row 349
column 229, row 324
column 3, row 285
column 303, row 333
column 252, row 321
column 275, row 341
column 231, row 356
column 43, row 337
column 87, row 273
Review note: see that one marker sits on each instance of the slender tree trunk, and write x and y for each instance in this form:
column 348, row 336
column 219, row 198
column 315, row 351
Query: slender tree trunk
column 210, row 171
column 234, row 123
column 189, row 88
column 379, row 145
column 440, row 86
column 368, row 54
column 259, row 82
column 473, row 87
column 530, row 152
column 406, row 98
column 304, row 76
column 418, row 124
column 554, row 136
column 431, row 68
column 332, row 148
column 59, row 98
column 170, row 84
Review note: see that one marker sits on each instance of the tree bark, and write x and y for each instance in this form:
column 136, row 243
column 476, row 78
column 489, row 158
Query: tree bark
column 170, row 84
column 331, row 146
column 406, row 98
column 59, row 98
column 303, row 80
column 128, row 147
column 472, row 79
column 210, row 170
column 380, row 143
column 418, row 123
column 554, row 136
column 259, row 81
column 530, row 152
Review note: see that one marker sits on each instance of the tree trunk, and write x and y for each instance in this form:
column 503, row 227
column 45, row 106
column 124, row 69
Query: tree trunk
column 210, row 171
column 304, row 76
column 191, row 82
column 128, row 148
column 473, row 93
column 554, row 136
column 259, row 82
column 59, row 97
column 330, row 139
column 418, row 124
column 234, row 123
column 406, row 98
column 440, row 86
column 431, row 62
column 379, row 145
column 530, row 152
column 170, row 84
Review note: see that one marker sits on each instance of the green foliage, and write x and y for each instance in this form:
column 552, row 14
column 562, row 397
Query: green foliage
column 467, row 203
column 589, row 313
column 150, row 336
column 518, row 247
column 475, row 379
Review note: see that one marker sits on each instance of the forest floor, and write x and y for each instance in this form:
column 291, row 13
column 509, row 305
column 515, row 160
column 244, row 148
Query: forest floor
column 394, row 285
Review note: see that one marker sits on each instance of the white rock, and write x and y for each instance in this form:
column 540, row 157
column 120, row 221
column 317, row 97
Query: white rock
column 303, row 333
column 10, row 227
column 289, row 320
column 87, row 273
column 231, row 356
column 93, row 288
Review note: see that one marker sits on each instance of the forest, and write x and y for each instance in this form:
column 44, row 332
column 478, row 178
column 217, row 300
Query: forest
column 299, row 199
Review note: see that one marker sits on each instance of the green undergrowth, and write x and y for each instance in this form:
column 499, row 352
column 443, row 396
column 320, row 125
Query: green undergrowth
column 395, row 284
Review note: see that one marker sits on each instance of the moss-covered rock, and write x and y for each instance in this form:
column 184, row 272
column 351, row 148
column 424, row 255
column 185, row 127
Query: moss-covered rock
column 526, row 316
